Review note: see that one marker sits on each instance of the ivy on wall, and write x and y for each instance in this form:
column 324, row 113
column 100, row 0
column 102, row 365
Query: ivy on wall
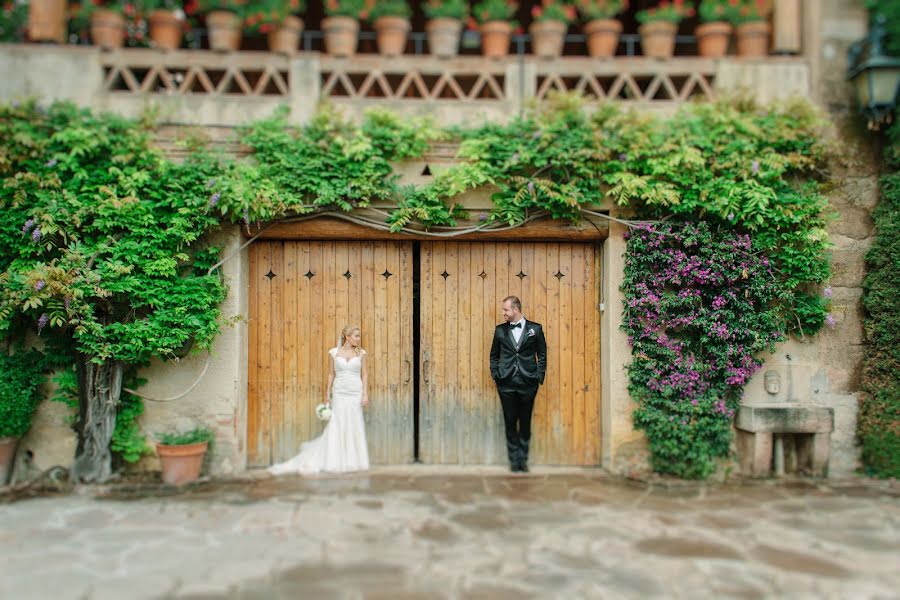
column 104, row 246
column 879, row 415
column 101, row 254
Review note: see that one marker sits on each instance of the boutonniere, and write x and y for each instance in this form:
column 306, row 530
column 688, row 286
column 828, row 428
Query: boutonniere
column 531, row 333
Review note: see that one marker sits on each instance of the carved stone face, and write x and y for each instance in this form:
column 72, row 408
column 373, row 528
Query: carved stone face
column 772, row 381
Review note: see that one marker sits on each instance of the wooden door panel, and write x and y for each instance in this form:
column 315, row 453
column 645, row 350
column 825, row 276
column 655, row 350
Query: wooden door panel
column 301, row 296
column 462, row 285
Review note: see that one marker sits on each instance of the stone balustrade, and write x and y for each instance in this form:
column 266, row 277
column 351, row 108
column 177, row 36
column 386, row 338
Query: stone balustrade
column 200, row 87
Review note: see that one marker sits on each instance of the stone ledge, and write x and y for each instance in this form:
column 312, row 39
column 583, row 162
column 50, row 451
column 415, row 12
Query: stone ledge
column 784, row 418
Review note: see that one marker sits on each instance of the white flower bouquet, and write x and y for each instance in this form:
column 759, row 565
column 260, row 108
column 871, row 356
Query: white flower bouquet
column 323, row 412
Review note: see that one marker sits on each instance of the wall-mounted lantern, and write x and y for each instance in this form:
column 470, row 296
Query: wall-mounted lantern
column 875, row 76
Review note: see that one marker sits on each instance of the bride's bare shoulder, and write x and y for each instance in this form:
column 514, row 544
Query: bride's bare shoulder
column 333, row 352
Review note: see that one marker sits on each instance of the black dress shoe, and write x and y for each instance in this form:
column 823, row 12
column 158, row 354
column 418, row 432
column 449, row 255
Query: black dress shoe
column 523, row 468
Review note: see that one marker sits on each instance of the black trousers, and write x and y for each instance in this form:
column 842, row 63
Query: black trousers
column 517, row 398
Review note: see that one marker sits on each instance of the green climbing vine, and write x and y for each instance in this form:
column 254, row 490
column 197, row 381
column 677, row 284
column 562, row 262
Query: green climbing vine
column 103, row 241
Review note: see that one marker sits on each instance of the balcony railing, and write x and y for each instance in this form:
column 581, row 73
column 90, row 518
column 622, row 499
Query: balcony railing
column 210, row 88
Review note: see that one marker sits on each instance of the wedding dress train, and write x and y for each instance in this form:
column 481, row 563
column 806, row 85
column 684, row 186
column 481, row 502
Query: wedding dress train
column 342, row 446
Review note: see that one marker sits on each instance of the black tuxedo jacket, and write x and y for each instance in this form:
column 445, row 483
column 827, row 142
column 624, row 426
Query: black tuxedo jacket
column 529, row 358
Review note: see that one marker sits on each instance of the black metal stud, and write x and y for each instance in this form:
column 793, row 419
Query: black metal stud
column 426, row 172
column 559, row 275
column 309, row 275
column 521, row 275
column 386, row 274
column 348, row 274
column 445, row 274
column 271, row 275
column 482, row 275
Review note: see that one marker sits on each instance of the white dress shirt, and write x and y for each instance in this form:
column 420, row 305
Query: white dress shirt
column 518, row 331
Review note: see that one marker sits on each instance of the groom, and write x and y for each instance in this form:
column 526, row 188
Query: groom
column 518, row 364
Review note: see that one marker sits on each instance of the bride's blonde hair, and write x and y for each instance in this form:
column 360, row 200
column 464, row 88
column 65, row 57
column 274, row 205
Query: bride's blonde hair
column 347, row 331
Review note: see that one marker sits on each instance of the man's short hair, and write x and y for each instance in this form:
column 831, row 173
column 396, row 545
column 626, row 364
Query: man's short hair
column 514, row 302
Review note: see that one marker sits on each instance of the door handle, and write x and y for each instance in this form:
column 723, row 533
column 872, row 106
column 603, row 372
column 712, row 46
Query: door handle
column 425, row 361
column 408, row 371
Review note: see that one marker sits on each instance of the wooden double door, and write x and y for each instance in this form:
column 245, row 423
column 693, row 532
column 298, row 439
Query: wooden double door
column 427, row 312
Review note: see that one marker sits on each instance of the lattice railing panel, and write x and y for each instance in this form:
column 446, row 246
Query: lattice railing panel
column 630, row 80
column 464, row 79
column 195, row 73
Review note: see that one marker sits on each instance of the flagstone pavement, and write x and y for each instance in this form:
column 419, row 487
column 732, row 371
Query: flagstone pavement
column 457, row 533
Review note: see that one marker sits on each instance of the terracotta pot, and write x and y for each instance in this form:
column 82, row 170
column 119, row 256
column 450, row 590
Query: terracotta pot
column 165, row 30
column 658, row 39
column 443, row 36
column 286, row 39
column 181, row 464
column 224, row 30
column 107, row 29
column 495, row 38
column 548, row 38
column 7, row 454
column 602, row 37
column 340, row 35
column 752, row 39
column 390, row 35
column 47, row 21
column 713, row 38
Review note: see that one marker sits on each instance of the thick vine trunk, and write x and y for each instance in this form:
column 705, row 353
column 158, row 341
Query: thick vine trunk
column 99, row 389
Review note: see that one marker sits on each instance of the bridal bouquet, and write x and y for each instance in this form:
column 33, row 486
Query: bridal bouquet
column 323, row 411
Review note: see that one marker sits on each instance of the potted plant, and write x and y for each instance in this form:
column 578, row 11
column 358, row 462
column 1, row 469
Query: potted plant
column 224, row 20
column 341, row 26
column 601, row 29
column 21, row 376
column 107, row 22
column 752, row 27
column 444, row 25
column 390, row 19
column 47, row 21
column 13, row 19
column 165, row 22
column 715, row 28
column 279, row 21
column 548, row 30
column 495, row 19
column 181, row 454
column 659, row 26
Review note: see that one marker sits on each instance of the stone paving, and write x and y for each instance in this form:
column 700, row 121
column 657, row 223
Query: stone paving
column 475, row 533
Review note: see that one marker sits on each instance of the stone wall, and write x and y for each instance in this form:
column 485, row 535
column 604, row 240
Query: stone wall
column 823, row 370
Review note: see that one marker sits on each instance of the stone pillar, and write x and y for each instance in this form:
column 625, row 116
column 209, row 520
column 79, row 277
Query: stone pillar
column 755, row 452
column 520, row 84
column 787, row 25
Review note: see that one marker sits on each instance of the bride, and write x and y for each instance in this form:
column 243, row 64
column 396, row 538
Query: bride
column 342, row 446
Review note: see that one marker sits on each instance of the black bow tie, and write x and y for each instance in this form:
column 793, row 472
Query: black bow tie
column 515, row 325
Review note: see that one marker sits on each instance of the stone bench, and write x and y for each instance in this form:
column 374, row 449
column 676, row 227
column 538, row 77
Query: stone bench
column 758, row 424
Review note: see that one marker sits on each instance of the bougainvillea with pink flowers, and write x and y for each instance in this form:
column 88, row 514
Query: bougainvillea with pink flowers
column 700, row 309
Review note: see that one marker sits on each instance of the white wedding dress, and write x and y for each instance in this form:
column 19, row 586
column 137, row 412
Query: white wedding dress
column 342, row 446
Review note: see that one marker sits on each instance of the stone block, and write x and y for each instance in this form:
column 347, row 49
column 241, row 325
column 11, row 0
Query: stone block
column 784, row 418
column 755, row 453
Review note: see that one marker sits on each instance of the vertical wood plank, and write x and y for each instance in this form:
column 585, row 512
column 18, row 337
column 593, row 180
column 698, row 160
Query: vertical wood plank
column 404, row 409
column 379, row 345
column 426, row 298
column 253, row 366
column 276, row 411
column 592, row 362
column 555, row 356
column 545, row 402
column 450, row 338
column 286, row 442
column 580, row 298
